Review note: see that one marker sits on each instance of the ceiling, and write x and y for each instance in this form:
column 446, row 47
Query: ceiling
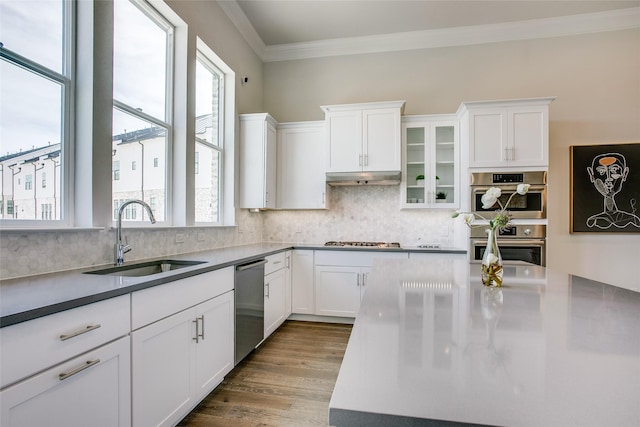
column 277, row 25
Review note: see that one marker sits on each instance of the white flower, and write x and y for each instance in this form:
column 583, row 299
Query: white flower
column 522, row 189
column 490, row 197
column 491, row 259
column 468, row 218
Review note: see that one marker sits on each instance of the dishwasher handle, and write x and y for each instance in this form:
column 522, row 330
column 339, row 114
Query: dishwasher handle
column 252, row 265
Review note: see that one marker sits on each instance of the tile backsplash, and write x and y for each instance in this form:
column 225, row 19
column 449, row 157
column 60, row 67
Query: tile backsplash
column 365, row 213
column 361, row 213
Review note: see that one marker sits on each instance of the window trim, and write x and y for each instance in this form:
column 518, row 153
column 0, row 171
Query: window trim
column 167, row 124
column 67, row 80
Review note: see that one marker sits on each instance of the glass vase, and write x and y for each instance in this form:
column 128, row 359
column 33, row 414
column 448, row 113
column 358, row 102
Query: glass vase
column 492, row 261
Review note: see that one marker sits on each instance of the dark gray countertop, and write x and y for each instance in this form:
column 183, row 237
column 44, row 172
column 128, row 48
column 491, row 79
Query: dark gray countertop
column 30, row 297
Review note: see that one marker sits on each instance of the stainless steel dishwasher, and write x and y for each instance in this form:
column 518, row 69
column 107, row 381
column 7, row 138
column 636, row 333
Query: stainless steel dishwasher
column 249, row 307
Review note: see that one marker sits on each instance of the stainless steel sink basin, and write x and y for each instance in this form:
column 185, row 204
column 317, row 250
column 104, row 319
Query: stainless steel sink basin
column 145, row 268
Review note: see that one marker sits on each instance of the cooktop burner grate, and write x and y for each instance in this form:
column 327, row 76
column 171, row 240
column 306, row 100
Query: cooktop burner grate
column 364, row 244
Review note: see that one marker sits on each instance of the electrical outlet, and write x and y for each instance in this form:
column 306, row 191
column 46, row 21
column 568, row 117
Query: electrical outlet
column 180, row 237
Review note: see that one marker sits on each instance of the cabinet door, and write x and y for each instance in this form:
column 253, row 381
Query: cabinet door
column 257, row 173
column 301, row 166
column 97, row 394
column 445, row 168
column 270, row 196
column 381, row 139
column 488, row 131
column 344, row 148
column 337, row 291
column 302, row 288
column 287, row 284
column 162, row 371
column 529, row 136
column 215, row 344
column 274, row 301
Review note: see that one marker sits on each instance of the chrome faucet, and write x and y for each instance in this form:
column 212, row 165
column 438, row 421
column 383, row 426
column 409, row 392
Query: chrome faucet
column 121, row 249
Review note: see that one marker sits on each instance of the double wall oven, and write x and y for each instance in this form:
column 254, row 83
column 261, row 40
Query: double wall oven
column 523, row 241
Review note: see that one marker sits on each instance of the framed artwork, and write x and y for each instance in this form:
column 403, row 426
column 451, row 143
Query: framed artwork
column 605, row 188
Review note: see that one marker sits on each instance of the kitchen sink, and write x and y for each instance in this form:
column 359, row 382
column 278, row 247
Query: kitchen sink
column 145, row 268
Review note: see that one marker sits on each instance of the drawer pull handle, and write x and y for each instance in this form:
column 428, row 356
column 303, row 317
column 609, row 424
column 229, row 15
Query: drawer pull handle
column 89, row 363
column 84, row 330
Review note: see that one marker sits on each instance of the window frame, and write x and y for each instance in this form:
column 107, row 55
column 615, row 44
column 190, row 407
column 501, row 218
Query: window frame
column 66, row 79
column 210, row 64
column 167, row 124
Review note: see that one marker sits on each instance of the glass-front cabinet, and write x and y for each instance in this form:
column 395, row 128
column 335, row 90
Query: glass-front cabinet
column 430, row 175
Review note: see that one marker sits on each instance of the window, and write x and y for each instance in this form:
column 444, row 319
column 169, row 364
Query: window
column 43, row 179
column 116, row 170
column 46, row 211
column 209, row 137
column 133, row 165
column 35, row 68
column 141, row 107
column 10, row 208
column 28, row 181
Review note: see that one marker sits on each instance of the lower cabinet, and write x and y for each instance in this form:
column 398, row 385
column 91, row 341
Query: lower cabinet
column 274, row 301
column 302, row 289
column 339, row 290
column 90, row 390
column 178, row 360
column 341, row 279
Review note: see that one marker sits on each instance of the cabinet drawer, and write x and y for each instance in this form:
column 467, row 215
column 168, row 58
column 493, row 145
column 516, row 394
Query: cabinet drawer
column 33, row 346
column 152, row 304
column 353, row 258
column 274, row 263
column 91, row 390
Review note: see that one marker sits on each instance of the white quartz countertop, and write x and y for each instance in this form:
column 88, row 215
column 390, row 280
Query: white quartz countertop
column 432, row 346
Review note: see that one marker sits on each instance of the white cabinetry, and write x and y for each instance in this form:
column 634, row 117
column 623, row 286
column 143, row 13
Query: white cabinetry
column 430, row 150
column 301, row 166
column 69, row 368
column 302, row 289
column 90, row 390
column 363, row 137
column 512, row 133
column 275, row 311
column 340, row 290
column 341, row 279
column 257, row 161
column 184, row 345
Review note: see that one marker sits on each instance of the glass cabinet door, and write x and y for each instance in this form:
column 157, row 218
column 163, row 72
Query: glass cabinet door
column 444, row 144
column 430, row 162
column 415, row 164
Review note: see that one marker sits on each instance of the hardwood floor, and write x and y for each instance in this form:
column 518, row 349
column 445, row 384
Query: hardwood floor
column 287, row 381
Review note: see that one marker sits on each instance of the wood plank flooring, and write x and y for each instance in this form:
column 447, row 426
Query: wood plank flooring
column 287, row 381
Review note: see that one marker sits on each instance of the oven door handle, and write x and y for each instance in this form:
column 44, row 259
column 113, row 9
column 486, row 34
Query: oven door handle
column 533, row 188
column 510, row 242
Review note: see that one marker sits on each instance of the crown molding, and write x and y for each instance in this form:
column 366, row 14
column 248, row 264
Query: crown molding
column 615, row 20
column 244, row 26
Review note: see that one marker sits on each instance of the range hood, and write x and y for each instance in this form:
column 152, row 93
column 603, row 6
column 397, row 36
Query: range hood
column 363, row 178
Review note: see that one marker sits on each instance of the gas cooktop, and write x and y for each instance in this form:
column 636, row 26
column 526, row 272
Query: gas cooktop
column 364, row 244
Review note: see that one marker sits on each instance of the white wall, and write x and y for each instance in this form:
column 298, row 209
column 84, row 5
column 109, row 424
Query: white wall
column 596, row 79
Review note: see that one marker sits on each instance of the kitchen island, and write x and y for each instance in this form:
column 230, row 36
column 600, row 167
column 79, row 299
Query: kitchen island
column 432, row 346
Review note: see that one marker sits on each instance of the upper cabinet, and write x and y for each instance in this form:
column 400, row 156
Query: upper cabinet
column 257, row 161
column 363, row 137
column 512, row 133
column 430, row 153
column 301, row 166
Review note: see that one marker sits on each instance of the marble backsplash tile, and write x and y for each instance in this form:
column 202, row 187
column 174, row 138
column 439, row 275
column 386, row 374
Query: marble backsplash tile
column 361, row 213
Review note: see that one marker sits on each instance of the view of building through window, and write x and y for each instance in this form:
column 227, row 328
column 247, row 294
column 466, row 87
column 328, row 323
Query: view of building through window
column 35, row 83
column 208, row 146
column 141, row 112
